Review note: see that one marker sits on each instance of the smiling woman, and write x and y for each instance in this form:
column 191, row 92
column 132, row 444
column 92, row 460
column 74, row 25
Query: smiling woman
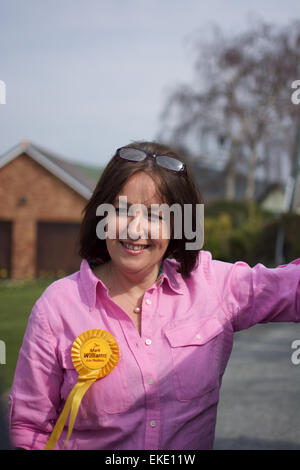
column 141, row 176
column 155, row 182
column 161, row 315
column 135, row 260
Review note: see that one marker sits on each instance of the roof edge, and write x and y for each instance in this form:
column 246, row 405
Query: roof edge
column 26, row 147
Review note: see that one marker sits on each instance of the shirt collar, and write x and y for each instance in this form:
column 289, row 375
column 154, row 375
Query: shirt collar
column 90, row 281
column 172, row 277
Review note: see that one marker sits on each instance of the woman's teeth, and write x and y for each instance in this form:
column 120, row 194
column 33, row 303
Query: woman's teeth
column 134, row 247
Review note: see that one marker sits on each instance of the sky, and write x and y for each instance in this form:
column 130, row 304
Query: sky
column 84, row 77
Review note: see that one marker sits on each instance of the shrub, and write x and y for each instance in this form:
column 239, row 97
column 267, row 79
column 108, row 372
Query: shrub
column 237, row 230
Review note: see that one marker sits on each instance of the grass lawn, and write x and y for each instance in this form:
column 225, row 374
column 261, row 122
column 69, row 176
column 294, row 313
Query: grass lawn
column 16, row 301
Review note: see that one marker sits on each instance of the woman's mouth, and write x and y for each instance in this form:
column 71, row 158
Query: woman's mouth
column 129, row 247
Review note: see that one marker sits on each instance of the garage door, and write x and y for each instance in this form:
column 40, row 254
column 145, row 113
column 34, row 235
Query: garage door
column 5, row 249
column 57, row 245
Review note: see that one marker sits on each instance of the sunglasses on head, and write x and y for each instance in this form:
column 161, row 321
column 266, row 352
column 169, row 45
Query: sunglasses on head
column 135, row 155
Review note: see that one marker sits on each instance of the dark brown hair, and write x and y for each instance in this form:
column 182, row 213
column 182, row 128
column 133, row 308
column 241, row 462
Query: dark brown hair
column 172, row 188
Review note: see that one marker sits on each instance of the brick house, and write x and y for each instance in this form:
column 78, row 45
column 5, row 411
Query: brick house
column 41, row 201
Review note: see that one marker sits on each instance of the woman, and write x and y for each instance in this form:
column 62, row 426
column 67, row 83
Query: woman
column 172, row 311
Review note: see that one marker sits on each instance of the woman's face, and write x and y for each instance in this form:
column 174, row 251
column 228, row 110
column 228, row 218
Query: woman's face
column 133, row 250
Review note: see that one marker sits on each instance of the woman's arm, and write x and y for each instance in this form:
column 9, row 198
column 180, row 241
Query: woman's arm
column 258, row 294
column 35, row 394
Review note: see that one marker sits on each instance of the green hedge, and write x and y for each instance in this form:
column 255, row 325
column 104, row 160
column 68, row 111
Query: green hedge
column 238, row 230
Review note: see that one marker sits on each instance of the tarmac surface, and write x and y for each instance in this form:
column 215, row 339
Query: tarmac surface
column 259, row 407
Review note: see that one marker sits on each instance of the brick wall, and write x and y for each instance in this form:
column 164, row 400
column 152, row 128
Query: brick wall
column 29, row 193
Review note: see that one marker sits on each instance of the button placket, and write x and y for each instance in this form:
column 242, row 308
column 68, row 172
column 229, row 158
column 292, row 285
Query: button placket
column 147, row 320
column 151, row 381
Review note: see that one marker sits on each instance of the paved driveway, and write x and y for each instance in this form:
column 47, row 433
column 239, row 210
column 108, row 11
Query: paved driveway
column 259, row 404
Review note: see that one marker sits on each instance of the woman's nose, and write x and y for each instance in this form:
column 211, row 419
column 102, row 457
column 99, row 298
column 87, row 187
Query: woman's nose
column 138, row 227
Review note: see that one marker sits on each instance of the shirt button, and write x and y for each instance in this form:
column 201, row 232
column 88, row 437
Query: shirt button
column 148, row 341
column 152, row 424
column 150, row 381
column 148, row 301
column 198, row 336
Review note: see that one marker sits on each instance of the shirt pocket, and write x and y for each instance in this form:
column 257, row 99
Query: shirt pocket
column 195, row 350
column 108, row 395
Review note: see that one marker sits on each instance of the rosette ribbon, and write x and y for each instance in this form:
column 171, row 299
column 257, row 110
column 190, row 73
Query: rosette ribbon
column 94, row 354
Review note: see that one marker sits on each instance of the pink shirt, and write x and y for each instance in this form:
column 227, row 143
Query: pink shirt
column 163, row 393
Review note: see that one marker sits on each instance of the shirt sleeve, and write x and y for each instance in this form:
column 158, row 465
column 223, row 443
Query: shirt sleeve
column 259, row 294
column 35, row 393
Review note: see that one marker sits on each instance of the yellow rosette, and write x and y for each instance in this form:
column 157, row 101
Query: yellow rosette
column 94, row 354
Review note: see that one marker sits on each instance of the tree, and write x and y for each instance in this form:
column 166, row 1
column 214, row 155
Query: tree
column 241, row 98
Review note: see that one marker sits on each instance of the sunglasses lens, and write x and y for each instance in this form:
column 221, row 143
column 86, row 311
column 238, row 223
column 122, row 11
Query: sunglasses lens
column 134, row 155
column 170, row 163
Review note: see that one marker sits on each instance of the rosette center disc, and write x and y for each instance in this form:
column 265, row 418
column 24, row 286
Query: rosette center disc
column 95, row 350
column 95, row 353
